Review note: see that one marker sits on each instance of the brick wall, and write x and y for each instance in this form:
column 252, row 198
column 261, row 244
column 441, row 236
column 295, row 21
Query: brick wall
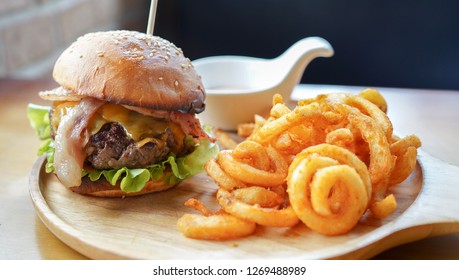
column 34, row 32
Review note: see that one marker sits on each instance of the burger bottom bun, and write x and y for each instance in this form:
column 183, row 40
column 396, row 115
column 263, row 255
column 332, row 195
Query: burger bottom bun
column 102, row 188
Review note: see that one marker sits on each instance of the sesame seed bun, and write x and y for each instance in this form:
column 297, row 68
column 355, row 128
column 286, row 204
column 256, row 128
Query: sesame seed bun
column 131, row 68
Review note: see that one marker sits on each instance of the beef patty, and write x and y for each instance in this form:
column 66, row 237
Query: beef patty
column 112, row 148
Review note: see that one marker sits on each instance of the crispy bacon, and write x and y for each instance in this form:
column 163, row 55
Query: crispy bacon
column 189, row 124
column 70, row 139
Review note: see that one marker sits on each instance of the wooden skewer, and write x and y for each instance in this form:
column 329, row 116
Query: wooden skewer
column 151, row 17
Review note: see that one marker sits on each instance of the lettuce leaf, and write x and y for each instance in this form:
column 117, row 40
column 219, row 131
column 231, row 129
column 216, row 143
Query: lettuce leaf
column 47, row 148
column 39, row 120
column 131, row 180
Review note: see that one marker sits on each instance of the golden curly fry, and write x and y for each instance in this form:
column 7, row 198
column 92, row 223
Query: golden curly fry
column 245, row 129
column 325, row 162
column 400, row 146
column 224, row 139
column 259, row 196
column 212, row 226
column 343, row 156
column 215, row 227
column 277, row 99
column 384, row 207
column 371, row 110
column 271, row 217
column 328, row 196
column 221, row 178
column 271, row 129
column 404, row 165
column 297, row 138
column 374, row 97
column 253, row 154
column 279, row 110
column 251, row 175
column 342, row 137
column 380, row 156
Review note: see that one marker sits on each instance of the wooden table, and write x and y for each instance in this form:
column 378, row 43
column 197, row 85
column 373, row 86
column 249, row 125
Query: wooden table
column 433, row 115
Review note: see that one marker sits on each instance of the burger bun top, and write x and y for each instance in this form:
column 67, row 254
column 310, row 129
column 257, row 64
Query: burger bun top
column 131, row 68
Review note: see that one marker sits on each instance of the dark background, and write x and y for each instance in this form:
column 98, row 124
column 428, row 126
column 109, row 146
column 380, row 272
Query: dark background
column 377, row 43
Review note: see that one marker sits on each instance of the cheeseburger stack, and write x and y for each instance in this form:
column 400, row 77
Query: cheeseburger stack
column 123, row 120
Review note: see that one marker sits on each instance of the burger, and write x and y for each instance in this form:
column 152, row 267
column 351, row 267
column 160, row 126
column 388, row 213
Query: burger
column 123, row 120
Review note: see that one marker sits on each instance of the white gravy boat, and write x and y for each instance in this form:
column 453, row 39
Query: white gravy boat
column 238, row 87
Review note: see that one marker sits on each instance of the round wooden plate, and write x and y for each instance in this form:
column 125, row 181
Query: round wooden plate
column 144, row 227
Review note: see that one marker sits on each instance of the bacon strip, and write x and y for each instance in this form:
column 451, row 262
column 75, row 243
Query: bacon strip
column 70, row 139
column 190, row 125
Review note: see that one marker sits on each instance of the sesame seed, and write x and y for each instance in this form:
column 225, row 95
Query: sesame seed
column 160, row 78
column 176, row 83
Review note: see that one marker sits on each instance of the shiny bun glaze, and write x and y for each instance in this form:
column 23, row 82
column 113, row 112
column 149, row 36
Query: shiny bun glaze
column 131, row 68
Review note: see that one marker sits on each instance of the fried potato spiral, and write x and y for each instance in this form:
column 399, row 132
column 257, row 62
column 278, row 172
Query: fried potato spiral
column 212, row 226
column 328, row 194
column 271, row 217
column 324, row 162
column 215, row 227
column 266, row 167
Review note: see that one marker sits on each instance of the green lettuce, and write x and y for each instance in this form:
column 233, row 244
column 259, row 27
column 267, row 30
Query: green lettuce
column 131, row 180
column 39, row 120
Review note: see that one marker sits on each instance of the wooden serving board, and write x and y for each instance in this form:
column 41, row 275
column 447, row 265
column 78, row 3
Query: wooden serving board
column 144, row 227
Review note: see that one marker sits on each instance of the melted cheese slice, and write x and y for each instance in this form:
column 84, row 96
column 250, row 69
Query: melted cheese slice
column 141, row 128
